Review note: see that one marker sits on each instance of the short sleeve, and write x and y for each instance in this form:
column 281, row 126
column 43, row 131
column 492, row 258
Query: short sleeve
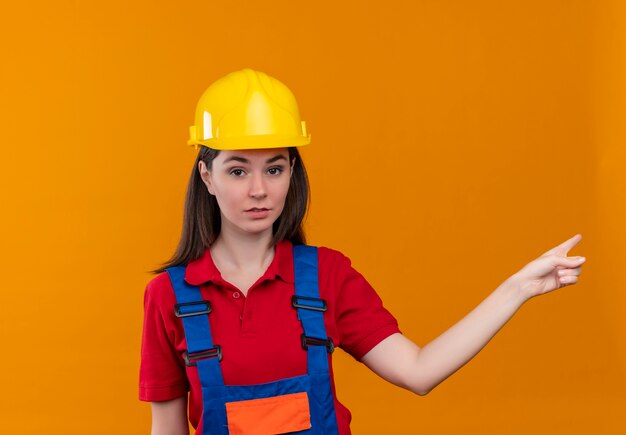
column 162, row 373
column 361, row 319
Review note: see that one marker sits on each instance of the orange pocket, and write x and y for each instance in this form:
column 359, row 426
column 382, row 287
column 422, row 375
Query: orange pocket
column 269, row 416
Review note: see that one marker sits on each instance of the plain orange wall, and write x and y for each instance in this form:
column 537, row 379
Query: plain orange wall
column 453, row 142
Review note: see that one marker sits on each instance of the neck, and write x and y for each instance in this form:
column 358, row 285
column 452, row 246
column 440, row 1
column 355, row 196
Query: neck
column 242, row 251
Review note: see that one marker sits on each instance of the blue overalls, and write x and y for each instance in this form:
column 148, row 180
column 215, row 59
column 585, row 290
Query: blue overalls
column 228, row 409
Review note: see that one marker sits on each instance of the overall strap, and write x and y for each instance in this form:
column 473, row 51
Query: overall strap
column 317, row 344
column 311, row 308
column 194, row 313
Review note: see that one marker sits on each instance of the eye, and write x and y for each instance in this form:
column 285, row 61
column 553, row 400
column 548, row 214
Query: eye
column 237, row 172
column 276, row 170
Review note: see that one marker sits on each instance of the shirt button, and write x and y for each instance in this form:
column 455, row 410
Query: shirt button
column 236, row 295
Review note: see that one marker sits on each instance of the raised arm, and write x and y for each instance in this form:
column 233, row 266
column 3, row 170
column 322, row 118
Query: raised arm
column 401, row 362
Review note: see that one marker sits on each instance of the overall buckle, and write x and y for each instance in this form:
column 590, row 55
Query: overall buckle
column 214, row 352
column 188, row 308
column 301, row 302
column 313, row 341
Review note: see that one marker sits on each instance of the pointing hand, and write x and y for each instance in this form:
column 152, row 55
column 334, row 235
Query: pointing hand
column 552, row 270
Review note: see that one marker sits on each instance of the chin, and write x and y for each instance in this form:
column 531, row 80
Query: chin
column 251, row 227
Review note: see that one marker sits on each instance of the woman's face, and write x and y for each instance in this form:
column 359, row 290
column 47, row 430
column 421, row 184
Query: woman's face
column 250, row 187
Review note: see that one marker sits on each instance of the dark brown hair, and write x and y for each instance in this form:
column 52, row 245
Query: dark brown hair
column 202, row 222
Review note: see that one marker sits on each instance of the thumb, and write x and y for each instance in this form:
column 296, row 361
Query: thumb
column 569, row 262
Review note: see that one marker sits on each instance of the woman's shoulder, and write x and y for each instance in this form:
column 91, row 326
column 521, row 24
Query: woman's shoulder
column 332, row 258
column 159, row 281
column 326, row 251
column 159, row 289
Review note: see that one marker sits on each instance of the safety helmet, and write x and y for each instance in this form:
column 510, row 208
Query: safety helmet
column 247, row 109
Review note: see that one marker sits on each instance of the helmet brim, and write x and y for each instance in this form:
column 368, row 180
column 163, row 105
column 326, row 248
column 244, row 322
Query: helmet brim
column 260, row 141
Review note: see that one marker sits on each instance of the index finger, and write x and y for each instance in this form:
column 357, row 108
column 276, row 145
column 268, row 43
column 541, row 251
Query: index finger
column 565, row 247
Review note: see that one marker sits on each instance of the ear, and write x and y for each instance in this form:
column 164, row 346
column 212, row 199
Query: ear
column 205, row 174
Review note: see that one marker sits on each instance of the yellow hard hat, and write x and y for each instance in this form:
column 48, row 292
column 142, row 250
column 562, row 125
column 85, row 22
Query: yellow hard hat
column 247, row 109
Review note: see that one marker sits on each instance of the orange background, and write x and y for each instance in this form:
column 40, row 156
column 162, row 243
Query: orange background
column 453, row 142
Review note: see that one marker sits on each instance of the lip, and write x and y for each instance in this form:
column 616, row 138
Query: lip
column 258, row 213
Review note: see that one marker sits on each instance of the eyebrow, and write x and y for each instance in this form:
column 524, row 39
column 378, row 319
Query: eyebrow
column 244, row 160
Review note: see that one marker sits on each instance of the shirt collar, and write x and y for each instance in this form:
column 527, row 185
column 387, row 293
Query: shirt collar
column 203, row 269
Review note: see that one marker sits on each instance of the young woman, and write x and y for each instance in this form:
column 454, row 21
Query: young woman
column 241, row 323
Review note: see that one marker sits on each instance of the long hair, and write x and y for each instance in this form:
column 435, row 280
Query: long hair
column 202, row 221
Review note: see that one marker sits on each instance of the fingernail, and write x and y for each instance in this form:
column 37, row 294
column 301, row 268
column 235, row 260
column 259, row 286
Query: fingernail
column 581, row 258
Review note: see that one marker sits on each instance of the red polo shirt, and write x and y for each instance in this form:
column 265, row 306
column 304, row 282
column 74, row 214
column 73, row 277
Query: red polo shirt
column 259, row 333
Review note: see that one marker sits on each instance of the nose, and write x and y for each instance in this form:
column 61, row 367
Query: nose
column 257, row 186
